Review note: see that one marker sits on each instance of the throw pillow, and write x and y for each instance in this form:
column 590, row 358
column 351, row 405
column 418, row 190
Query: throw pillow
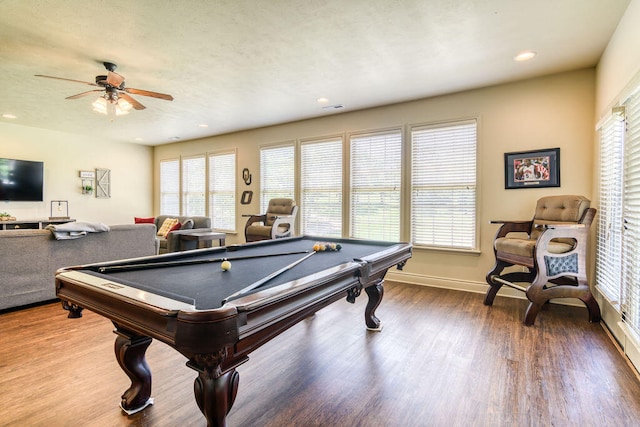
column 166, row 226
column 175, row 227
column 187, row 224
column 138, row 220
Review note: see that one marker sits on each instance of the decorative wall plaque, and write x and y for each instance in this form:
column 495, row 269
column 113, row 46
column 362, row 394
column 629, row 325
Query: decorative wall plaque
column 103, row 183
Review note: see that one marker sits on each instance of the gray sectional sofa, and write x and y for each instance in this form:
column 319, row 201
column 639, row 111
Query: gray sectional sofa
column 30, row 258
column 190, row 224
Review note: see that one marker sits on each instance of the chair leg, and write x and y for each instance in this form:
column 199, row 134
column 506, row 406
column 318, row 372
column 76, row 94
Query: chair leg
column 592, row 306
column 537, row 296
column 531, row 313
column 494, row 286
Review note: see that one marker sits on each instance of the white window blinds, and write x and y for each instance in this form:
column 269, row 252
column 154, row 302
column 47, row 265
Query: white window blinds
column 376, row 165
column 443, row 185
column 277, row 174
column 609, row 235
column 321, row 188
column 170, row 187
column 193, row 186
column 222, row 191
column 631, row 217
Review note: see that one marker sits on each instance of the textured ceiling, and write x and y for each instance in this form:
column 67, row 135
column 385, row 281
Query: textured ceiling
column 241, row 64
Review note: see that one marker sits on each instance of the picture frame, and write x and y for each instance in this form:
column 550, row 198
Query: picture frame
column 532, row 169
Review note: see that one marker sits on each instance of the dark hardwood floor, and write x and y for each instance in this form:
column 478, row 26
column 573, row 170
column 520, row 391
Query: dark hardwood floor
column 442, row 359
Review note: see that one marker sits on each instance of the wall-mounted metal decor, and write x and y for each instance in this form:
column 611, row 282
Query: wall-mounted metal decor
column 246, row 197
column 246, row 176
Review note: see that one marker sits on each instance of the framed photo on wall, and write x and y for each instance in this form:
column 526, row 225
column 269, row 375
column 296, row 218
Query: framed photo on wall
column 532, row 169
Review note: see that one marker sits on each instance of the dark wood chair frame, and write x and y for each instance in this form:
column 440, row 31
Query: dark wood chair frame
column 545, row 283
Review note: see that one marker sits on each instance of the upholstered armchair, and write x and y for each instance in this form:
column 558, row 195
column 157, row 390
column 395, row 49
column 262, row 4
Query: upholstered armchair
column 551, row 250
column 278, row 222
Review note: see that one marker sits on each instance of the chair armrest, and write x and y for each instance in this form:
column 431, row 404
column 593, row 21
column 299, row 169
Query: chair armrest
column 255, row 218
column 279, row 221
column 565, row 226
column 513, row 227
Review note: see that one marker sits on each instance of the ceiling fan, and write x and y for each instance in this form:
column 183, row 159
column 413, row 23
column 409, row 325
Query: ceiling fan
column 116, row 95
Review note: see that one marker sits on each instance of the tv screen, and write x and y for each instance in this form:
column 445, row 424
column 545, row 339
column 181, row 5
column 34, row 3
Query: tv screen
column 21, row 180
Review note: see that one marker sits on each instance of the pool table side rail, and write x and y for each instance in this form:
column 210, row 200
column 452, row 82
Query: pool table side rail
column 145, row 319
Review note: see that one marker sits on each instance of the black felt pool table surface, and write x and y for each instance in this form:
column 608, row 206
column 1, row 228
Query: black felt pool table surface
column 206, row 285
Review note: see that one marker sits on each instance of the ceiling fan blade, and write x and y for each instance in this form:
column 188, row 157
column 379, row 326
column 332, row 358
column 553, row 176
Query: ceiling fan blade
column 148, row 93
column 114, row 79
column 80, row 95
column 131, row 101
column 69, row 80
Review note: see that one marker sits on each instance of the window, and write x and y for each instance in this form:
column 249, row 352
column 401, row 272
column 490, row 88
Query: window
column 443, row 185
column 321, row 188
column 277, row 174
column 631, row 217
column 609, row 243
column 222, row 191
column 193, row 186
column 376, row 165
column 170, row 187
column 618, row 237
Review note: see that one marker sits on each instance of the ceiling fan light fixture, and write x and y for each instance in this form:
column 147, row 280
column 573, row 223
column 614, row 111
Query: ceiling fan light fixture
column 122, row 107
column 100, row 105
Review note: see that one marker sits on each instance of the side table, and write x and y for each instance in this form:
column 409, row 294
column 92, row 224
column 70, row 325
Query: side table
column 206, row 237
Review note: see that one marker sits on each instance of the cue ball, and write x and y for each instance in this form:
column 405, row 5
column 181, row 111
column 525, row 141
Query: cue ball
column 225, row 266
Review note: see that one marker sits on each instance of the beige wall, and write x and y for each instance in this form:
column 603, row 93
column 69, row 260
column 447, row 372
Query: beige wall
column 64, row 155
column 619, row 65
column 554, row 111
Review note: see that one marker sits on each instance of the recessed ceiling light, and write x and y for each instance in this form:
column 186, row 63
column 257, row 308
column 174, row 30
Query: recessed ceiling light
column 322, row 100
column 174, row 138
column 525, row 55
column 138, row 139
column 9, row 116
column 203, row 125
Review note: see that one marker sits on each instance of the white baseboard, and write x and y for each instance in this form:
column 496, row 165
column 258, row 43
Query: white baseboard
column 464, row 285
column 630, row 345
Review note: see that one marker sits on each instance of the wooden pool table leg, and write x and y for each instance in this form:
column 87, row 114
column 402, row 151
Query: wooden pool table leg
column 130, row 350
column 375, row 293
column 215, row 391
column 75, row 311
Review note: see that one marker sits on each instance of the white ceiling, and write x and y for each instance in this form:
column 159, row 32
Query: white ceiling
column 240, row 64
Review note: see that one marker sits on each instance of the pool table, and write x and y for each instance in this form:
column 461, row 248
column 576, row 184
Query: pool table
column 215, row 318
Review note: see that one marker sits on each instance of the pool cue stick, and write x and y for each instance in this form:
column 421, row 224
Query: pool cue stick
column 264, row 280
column 150, row 265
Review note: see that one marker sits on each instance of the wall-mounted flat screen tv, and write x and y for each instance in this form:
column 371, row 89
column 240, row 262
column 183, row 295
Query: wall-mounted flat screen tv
column 21, row 180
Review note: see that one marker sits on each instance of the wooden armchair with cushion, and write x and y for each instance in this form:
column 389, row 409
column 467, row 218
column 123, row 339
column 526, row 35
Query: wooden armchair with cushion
column 553, row 248
column 278, row 222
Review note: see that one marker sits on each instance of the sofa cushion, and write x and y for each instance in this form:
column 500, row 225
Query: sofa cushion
column 166, row 227
column 187, row 224
column 139, row 220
